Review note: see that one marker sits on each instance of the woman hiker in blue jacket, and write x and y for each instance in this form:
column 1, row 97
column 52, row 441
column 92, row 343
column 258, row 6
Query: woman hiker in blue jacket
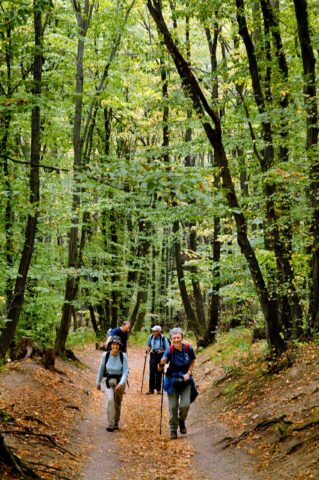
column 114, row 368
column 178, row 383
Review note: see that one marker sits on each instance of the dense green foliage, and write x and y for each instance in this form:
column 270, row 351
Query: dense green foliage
column 131, row 186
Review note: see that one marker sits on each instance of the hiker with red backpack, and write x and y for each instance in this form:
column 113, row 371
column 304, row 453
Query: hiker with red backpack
column 156, row 345
column 114, row 368
column 179, row 384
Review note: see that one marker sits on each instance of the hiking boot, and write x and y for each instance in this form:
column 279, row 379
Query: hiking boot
column 110, row 429
column 150, row 392
column 182, row 427
column 173, row 435
column 116, row 427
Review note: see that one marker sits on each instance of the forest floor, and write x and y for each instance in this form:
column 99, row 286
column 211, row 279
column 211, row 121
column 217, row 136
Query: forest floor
column 245, row 424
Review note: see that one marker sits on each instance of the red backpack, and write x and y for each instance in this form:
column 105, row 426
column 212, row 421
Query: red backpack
column 171, row 348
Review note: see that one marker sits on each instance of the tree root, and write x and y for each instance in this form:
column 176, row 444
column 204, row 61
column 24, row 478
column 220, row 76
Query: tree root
column 306, row 425
column 13, row 461
column 258, row 428
column 43, row 435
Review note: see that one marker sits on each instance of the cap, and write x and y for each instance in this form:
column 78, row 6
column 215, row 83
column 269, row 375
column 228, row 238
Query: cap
column 156, row 328
column 115, row 339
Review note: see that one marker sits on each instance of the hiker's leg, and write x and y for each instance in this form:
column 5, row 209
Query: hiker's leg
column 153, row 370
column 173, row 410
column 110, row 404
column 158, row 375
column 118, row 397
column 184, row 403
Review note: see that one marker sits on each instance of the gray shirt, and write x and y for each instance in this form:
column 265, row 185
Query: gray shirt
column 114, row 367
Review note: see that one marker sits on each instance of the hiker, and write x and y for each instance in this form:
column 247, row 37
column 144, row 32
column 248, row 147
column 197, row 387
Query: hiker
column 156, row 345
column 121, row 332
column 179, row 383
column 114, row 368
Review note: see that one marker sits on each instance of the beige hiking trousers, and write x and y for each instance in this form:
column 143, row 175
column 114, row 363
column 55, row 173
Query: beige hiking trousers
column 114, row 400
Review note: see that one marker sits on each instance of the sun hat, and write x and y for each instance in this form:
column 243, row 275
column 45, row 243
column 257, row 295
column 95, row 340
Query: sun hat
column 156, row 328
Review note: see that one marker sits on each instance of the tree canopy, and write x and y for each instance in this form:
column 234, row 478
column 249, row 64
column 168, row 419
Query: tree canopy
column 159, row 163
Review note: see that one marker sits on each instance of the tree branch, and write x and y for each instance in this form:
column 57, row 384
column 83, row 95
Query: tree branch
column 40, row 165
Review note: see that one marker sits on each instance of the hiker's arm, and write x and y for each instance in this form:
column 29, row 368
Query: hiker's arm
column 165, row 359
column 148, row 346
column 100, row 373
column 190, row 369
column 124, row 372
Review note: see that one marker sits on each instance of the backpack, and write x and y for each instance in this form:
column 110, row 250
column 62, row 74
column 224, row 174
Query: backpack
column 107, row 356
column 171, row 348
column 162, row 340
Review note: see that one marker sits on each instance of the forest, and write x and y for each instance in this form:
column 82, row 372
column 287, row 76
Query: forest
column 158, row 163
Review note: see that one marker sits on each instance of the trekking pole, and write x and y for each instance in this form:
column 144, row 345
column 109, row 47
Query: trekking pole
column 162, row 395
column 143, row 374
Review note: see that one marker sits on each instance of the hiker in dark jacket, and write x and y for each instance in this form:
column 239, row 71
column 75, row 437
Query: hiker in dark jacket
column 121, row 332
column 114, row 368
column 178, row 381
column 156, row 345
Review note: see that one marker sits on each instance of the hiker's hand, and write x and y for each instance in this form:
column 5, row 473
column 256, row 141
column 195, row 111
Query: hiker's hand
column 186, row 377
column 162, row 361
column 118, row 387
column 98, row 387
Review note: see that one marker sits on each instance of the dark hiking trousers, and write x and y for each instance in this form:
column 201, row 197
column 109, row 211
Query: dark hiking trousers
column 155, row 375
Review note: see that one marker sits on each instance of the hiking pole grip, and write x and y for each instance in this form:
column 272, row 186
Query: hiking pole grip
column 143, row 375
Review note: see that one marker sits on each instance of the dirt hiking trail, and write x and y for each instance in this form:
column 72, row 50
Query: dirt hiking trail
column 245, row 425
column 138, row 451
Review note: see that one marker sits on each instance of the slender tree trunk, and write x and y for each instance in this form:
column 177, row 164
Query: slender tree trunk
column 292, row 311
column 310, row 99
column 214, row 135
column 6, row 122
column 193, row 324
column 144, row 247
column 8, row 213
column 213, row 319
column 83, row 20
column 274, row 240
column 93, row 321
column 153, row 278
column 31, row 227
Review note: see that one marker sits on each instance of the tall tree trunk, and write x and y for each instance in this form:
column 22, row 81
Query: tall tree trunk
column 214, row 135
column 8, row 213
column 94, row 322
column 275, row 242
column 83, row 21
column 292, row 311
column 310, row 99
column 5, row 119
column 189, row 161
column 31, row 227
column 193, row 324
column 143, row 271
column 153, row 279
column 115, row 276
column 213, row 319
